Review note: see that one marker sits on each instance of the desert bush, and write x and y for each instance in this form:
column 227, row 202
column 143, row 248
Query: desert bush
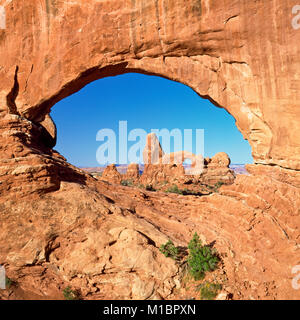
column 9, row 283
column 208, row 290
column 163, row 183
column 201, row 258
column 127, row 183
column 70, row 294
column 218, row 185
column 169, row 250
column 185, row 191
column 174, row 189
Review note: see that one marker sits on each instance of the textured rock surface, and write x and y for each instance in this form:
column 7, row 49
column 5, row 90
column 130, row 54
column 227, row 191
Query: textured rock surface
column 60, row 227
column 77, row 236
column 103, row 239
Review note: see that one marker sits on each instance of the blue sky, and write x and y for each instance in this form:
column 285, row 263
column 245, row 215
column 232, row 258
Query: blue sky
column 146, row 102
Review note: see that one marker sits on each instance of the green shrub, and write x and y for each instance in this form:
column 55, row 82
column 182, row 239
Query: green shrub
column 70, row 294
column 208, row 291
column 169, row 250
column 185, row 191
column 174, row 189
column 9, row 283
column 201, row 258
column 218, row 185
column 127, row 183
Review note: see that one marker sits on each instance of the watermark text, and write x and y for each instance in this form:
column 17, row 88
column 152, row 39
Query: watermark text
column 2, row 18
column 296, row 279
column 2, row 278
column 296, row 18
column 182, row 142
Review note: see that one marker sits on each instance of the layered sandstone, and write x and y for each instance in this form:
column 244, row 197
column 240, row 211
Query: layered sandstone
column 156, row 173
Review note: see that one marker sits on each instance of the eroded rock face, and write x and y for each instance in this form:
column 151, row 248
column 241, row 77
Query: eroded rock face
column 78, row 236
column 50, row 131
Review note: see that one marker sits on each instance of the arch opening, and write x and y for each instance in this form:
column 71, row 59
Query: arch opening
column 147, row 102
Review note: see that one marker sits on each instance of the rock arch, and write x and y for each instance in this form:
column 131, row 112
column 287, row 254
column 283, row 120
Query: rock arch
column 178, row 157
column 51, row 49
column 55, row 48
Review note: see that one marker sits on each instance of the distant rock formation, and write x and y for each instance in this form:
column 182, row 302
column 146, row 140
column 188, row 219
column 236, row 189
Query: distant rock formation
column 111, row 174
column 169, row 167
column 153, row 152
column 157, row 173
column 197, row 161
column 220, row 159
column 133, row 173
column 216, row 170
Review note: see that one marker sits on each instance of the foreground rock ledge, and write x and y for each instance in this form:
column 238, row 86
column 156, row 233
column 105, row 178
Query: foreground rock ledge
column 103, row 239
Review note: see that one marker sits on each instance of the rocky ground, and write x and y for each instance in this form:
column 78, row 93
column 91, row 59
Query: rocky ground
column 102, row 240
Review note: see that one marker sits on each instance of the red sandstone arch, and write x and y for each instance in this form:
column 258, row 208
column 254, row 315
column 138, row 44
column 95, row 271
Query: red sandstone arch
column 56, row 48
column 197, row 161
column 242, row 55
